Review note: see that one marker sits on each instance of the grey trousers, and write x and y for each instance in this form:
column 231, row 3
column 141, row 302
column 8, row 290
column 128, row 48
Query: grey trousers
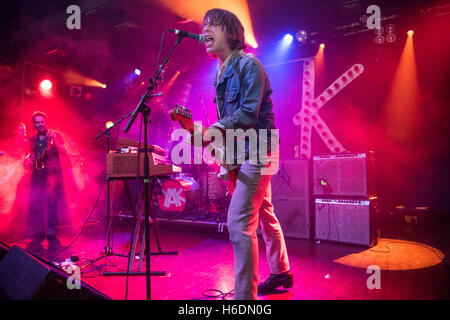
column 251, row 204
column 43, row 203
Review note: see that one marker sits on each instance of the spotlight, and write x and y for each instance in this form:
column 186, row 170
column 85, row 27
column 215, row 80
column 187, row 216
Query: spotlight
column 410, row 33
column 45, row 88
column 379, row 39
column 390, row 28
column 391, row 38
column 45, row 85
column 137, row 72
column 109, row 124
column 288, row 38
column 322, row 45
column 379, row 31
column 301, row 36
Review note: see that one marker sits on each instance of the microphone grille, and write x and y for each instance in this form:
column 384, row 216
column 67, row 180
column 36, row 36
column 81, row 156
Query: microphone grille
column 201, row 38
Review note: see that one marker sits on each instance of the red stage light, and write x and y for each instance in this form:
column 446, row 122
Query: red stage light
column 45, row 84
column 45, row 88
column 109, row 124
column 410, row 33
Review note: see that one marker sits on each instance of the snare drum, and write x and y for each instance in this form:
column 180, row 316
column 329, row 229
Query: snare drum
column 178, row 195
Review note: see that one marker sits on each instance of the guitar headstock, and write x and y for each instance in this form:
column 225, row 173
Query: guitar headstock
column 181, row 111
column 183, row 116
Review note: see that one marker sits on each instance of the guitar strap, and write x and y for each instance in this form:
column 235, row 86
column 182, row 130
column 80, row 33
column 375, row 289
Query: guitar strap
column 224, row 173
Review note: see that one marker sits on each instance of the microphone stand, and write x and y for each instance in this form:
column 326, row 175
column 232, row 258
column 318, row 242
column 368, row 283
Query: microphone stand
column 108, row 249
column 202, row 102
column 143, row 108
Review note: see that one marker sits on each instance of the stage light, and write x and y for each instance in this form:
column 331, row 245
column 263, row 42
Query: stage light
column 137, row 72
column 379, row 32
column 76, row 78
column 287, row 39
column 410, row 33
column 197, row 9
column 391, row 38
column 170, row 83
column 390, row 28
column 379, row 39
column 45, row 88
column 402, row 103
column 45, row 85
column 109, row 124
column 301, row 36
column 319, row 62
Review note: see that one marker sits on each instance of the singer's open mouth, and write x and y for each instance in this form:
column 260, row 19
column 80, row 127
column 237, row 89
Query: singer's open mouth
column 208, row 39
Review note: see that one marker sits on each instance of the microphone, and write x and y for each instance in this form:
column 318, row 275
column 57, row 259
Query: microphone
column 184, row 34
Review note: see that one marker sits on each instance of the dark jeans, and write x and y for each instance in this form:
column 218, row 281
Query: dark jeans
column 43, row 205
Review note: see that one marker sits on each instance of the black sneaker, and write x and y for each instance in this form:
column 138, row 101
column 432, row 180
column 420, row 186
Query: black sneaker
column 53, row 242
column 285, row 279
column 34, row 246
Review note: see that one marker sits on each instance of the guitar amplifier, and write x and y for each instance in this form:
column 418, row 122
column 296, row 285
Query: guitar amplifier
column 344, row 174
column 124, row 165
column 290, row 198
column 346, row 220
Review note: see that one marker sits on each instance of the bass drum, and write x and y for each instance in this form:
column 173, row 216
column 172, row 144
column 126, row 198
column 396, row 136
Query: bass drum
column 178, row 195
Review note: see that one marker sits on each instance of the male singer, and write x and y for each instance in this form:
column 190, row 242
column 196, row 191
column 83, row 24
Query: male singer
column 243, row 102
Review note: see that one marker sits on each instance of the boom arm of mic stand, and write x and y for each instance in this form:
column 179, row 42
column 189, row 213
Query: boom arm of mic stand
column 145, row 110
column 153, row 85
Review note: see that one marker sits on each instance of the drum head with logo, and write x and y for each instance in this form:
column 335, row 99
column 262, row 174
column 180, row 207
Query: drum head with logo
column 178, row 195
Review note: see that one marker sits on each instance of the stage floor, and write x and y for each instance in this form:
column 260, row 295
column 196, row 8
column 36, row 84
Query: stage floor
column 410, row 268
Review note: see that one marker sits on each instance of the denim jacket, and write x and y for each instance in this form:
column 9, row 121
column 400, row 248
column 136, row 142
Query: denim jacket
column 243, row 96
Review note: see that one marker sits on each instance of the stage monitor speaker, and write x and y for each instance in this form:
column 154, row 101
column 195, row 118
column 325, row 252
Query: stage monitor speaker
column 344, row 174
column 25, row 277
column 346, row 220
column 290, row 198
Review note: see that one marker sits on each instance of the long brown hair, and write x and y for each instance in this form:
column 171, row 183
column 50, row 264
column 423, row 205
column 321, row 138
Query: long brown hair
column 230, row 24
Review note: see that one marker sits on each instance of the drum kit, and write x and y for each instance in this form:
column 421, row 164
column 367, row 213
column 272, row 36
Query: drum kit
column 193, row 193
column 196, row 192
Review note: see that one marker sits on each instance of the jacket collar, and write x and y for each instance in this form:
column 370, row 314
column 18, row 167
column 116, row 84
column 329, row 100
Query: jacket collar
column 230, row 69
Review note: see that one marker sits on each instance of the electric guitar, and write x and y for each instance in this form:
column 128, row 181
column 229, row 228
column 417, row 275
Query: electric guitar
column 38, row 160
column 184, row 117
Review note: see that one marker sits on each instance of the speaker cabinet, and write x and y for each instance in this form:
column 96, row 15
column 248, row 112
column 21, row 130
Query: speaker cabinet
column 290, row 197
column 25, row 277
column 346, row 220
column 346, row 174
